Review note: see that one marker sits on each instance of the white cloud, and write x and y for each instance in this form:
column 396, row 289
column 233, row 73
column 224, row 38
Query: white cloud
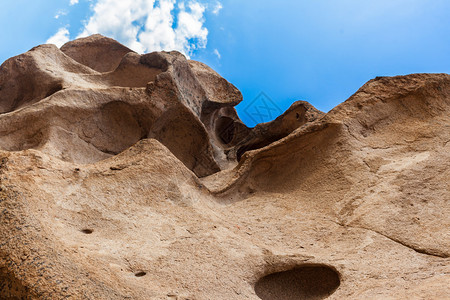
column 60, row 38
column 73, row 2
column 190, row 28
column 148, row 25
column 217, row 8
column 217, row 53
column 60, row 13
column 158, row 33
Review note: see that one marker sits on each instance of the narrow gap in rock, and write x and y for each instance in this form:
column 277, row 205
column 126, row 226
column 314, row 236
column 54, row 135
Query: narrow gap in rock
column 140, row 274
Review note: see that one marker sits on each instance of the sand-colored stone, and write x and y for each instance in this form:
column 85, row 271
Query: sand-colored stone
column 135, row 179
column 99, row 53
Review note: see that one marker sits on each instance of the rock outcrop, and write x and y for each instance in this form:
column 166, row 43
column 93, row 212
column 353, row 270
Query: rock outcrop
column 99, row 53
column 127, row 176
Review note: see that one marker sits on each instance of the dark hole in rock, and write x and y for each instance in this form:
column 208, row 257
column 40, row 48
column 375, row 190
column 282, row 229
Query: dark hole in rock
column 140, row 274
column 56, row 87
column 87, row 231
column 225, row 129
column 254, row 146
column 303, row 282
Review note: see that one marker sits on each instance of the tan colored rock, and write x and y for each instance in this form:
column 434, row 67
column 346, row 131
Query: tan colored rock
column 99, row 53
column 125, row 184
column 83, row 116
column 37, row 74
column 264, row 134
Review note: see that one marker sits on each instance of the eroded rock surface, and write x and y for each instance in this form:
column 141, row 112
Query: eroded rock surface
column 127, row 176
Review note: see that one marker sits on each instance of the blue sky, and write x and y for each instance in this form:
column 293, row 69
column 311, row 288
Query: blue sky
column 320, row 51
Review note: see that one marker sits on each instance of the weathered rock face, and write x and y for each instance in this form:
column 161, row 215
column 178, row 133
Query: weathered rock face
column 127, row 176
column 99, row 53
column 83, row 116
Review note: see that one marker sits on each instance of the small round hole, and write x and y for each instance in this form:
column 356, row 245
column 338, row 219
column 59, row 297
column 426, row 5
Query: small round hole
column 87, row 231
column 140, row 274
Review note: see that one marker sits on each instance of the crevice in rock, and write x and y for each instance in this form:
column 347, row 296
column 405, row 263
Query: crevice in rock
column 140, row 274
column 253, row 146
column 54, row 89
column 418, row 250
column 225, row 130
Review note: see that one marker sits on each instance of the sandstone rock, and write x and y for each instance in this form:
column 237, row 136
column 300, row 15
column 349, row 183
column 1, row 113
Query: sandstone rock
column 139, row 181
column 37, row 74
column 83, row 116
column 99, row 53
column 264, row 134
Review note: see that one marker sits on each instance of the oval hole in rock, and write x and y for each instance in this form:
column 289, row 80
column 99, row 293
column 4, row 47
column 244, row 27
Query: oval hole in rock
column 87, row 231
column 140, row 274
column 302, row 282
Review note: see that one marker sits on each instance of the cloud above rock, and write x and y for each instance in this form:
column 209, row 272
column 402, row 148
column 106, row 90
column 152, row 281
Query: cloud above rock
column 60, row 37
column 149, row 25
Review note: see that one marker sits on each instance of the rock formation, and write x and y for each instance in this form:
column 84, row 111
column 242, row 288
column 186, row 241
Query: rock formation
column 127, row 176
